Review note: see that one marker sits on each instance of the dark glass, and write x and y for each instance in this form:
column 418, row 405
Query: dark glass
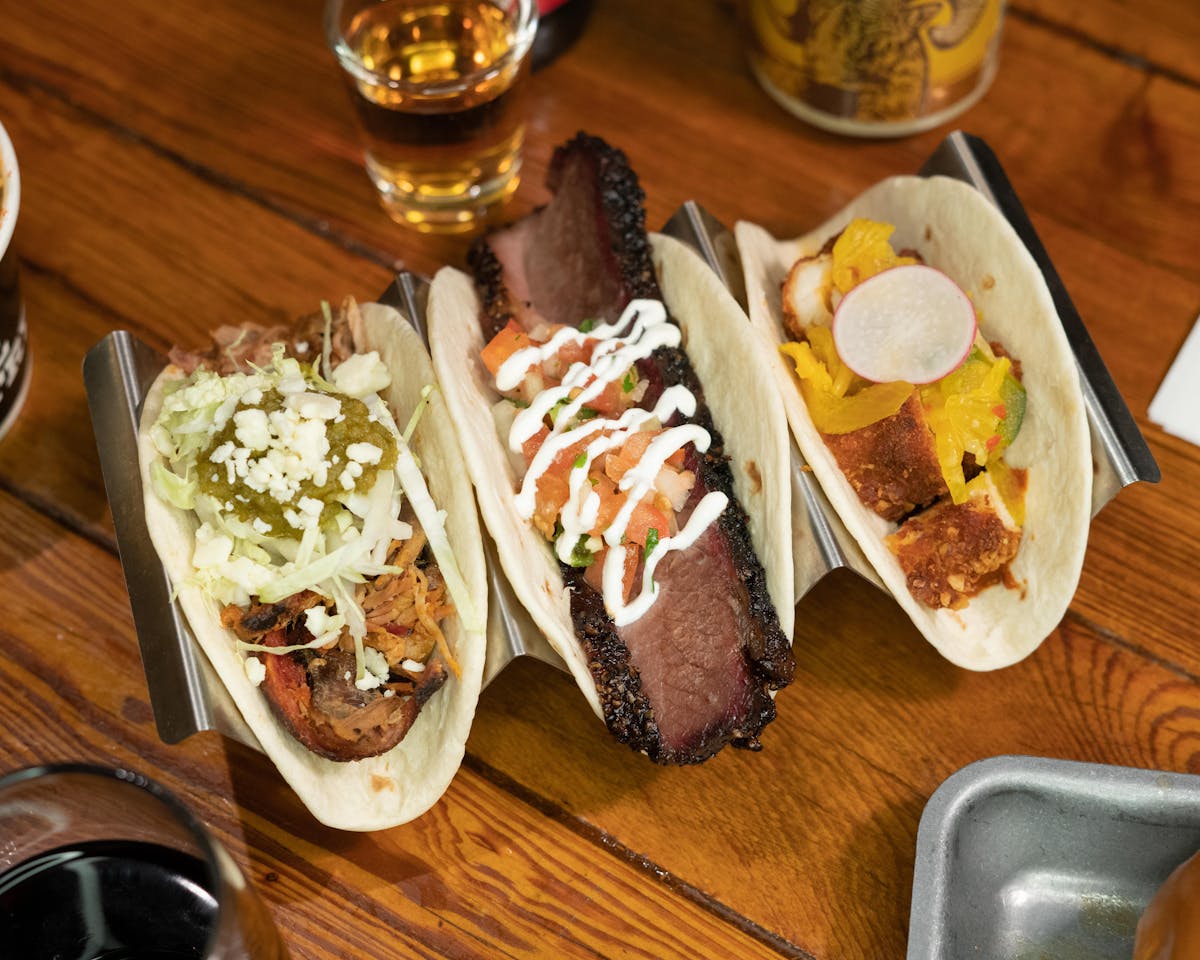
column 98, row 863
column 107, row 900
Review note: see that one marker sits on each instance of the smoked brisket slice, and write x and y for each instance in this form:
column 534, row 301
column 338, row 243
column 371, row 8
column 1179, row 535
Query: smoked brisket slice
column 696, row 671
column 583, row 256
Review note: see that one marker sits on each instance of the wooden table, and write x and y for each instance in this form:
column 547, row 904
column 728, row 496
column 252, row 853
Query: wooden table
column 190, row 164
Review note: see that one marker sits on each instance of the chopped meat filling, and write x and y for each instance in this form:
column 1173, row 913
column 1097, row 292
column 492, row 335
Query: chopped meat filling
column 892, row 464
column 952, row 551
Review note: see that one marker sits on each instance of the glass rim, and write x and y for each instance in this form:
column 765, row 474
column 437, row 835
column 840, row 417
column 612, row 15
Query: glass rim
column 524, row 30
column 220, row 887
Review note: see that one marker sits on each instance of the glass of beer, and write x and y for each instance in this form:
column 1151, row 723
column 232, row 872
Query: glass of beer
column 438, row 88
column 99, row 863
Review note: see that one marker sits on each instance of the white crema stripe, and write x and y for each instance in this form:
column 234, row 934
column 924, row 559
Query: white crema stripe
column 648, row 329
column 707, row 511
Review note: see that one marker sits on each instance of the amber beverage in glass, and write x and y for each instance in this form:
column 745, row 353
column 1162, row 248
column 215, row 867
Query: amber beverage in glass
column 437, row 86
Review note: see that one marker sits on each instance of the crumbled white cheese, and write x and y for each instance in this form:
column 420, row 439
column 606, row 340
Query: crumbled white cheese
column 256, row 671
column 375, row 662
column 315, row 406
column 361, row 375
column 412, row 666
column 251, row 428
column 321, row 625
column 367, row 453
column 311, row 505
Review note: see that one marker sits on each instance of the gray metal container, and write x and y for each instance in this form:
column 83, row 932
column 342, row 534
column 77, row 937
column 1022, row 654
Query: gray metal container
column 1024, row 858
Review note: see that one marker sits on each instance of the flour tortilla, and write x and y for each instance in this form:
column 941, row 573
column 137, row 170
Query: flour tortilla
column 734, row 370
column 959, row 232
column 406, row 781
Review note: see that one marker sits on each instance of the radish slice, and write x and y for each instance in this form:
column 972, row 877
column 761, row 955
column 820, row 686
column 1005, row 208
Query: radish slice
column 910, row 323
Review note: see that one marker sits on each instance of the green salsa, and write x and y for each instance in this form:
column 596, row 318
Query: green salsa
column 353, row 426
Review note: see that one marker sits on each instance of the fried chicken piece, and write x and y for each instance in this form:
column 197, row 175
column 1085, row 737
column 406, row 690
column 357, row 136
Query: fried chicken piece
column 892, row 464
column 953, row 550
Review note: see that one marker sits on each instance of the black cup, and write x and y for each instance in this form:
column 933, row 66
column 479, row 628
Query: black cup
column 14, row 343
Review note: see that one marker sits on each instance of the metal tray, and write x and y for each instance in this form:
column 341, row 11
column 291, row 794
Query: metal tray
column 186, row 697
column 1023, row 858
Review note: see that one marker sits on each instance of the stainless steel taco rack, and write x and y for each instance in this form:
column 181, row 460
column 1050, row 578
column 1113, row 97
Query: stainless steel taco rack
column 184, row 692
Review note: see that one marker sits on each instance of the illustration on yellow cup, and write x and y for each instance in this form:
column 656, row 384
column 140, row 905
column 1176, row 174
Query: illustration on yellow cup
column 875, row 66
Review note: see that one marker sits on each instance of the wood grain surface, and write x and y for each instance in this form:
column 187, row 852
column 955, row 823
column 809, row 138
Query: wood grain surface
column 188, row 165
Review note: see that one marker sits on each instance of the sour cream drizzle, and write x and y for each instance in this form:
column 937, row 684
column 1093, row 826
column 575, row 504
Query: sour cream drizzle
column 648, row 329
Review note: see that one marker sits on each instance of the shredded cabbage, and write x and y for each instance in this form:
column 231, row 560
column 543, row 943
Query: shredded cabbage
column 234, row 561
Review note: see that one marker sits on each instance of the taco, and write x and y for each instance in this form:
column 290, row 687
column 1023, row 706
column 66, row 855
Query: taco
column 306, row 494
column 627, row 461
column 969, row 494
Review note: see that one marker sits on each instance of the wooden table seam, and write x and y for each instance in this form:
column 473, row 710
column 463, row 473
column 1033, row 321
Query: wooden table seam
column 1110, row 50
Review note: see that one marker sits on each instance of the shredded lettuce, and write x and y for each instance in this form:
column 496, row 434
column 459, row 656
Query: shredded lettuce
column 234, row 562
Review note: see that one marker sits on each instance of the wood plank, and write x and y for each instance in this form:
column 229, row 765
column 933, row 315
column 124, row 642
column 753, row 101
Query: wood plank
column 1081, row 148
column 482, row 875
column 1162, row 32
column 823, row 823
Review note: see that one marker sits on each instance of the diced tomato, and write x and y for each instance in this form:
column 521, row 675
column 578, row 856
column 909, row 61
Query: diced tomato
column 594, row 574
column 553, row 486
column 626, row 458
column 572, row 352
column 503, row 345
column 612, row 401
column 677, row 459
column 610, row 504
column 632, row 562
column 531, row 446
column 645, row 517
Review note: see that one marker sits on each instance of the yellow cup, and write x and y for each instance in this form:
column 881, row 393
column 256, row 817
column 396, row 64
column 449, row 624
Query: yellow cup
column 875, row 67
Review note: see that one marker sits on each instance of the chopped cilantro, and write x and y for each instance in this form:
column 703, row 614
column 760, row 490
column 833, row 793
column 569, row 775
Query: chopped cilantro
column 581, row 461
column 651, row 541
column 587, row 413
column 581, row 556
column 556, row 410
column 588, row 325
column 627, row 384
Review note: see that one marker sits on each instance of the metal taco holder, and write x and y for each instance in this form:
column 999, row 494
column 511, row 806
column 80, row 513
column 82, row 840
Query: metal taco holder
column 185, row 693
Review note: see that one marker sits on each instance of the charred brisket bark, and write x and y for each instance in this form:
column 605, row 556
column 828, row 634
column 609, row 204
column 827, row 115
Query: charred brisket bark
column 668, row 687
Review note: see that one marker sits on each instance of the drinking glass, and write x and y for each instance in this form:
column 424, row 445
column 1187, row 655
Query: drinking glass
column 99, row 863
column 438, row 89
